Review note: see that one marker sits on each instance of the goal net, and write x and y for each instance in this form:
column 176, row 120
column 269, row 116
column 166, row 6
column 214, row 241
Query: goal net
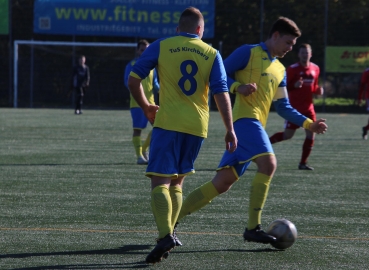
column 43, row 73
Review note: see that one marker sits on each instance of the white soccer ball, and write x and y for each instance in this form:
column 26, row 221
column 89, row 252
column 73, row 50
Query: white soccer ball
column 285, row 232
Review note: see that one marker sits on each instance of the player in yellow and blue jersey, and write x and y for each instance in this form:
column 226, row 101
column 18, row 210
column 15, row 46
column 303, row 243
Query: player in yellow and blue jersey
column 258, row 79
column 139, row 121
column 187, row 67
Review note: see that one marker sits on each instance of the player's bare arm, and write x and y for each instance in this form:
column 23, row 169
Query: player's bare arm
column 225, row 108
column 135, row 87
column 247, row 89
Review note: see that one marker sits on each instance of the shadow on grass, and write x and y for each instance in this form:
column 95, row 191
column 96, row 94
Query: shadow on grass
column 128, row 249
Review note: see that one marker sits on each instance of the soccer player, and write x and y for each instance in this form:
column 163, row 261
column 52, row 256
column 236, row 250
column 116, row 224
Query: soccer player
column 247, row 65
column 187, row 67
column 364, row 89
column 139, row 121
column 302, row 84
column 81, row 80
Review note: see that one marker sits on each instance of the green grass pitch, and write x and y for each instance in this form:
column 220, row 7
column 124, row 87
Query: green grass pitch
column 72, row 197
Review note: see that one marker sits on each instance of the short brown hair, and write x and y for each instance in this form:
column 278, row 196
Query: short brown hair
column 305, row 45
column 190, row 19
column 285, row 26
column 142, row 42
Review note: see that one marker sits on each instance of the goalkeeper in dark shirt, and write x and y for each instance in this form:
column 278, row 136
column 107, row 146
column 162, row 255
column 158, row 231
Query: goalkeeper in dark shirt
column 81, row 80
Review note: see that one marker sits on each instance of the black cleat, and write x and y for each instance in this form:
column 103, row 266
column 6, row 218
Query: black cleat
column 365, row 133
column 258, row 235
column 161, row 250
column 178, row 242
column 305, row 167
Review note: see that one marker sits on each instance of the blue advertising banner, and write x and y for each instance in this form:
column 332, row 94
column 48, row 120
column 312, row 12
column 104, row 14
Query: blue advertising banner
column 133, row 18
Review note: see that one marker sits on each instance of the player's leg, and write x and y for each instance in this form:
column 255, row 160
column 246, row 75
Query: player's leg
column 365, row 131
column 307, row 147
column 173, row 159
column 146, row 145
column 78, row 104
column 289, row 131
column 257, row 146
column 176, row 195
column 139, row 122
column 161, row 206
column 204, row 194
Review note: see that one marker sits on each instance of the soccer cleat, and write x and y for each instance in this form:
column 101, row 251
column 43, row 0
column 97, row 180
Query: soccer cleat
column 258, row 235
column 77, row 112
column 161, row 250
column 178, row 242
column 365, row 133
column 142, row 161
column 305, row 167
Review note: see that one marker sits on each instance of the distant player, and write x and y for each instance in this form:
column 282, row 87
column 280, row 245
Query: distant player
column 139, row 121
column 81, row 80
column 302, row 84
column 364, row 89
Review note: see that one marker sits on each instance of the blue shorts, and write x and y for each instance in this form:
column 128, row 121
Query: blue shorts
column 139, row 119
column 253, row 142
column 172, row 153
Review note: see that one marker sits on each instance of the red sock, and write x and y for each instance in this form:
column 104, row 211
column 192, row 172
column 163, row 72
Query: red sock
column 278, row 137
column 306, row 150
column 367, row 127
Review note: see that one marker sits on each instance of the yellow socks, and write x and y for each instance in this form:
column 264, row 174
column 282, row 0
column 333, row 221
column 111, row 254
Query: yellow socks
column 161, row 205
column 258, row 194
column 146, row 144
column 176, row 196
column 136, row 140
column 197, row 199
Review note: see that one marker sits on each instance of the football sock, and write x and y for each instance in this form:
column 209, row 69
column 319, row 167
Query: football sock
column 306, row 150
column 146, row 144
column 176, row 197
column 136, row 140
column 197, row 199
column 161, row 205
column 278, row 137
column 258, row 194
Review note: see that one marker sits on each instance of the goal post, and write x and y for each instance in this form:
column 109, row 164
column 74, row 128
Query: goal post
column 55, row 43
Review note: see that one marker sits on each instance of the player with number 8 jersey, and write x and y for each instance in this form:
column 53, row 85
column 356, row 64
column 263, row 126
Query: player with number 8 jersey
column 188, row 69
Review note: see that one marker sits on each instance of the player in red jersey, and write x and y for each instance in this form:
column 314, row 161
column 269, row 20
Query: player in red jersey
column 302, row 84
column 364, row 89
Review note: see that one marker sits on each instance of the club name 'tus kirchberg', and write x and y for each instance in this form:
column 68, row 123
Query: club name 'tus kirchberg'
column 186, row 49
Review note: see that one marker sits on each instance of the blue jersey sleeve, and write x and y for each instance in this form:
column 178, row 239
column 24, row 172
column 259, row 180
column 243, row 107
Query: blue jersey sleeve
column 237, row 60
column 148, row 60
column 285, row 110
column 284, row 81
column 156, row 82
column 126, row 73
column 218, row 76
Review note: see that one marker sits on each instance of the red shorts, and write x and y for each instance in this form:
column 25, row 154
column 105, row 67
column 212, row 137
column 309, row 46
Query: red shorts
column 290, row 125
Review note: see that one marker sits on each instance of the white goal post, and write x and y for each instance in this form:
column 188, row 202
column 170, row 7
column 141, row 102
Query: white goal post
column 55, row 43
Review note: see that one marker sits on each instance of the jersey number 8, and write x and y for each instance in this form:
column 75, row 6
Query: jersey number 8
column 188, row 77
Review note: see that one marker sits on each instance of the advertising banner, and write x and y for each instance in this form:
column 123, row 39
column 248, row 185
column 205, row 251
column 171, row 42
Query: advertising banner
column 4, row 17
column 347, row 59
column 133, row 18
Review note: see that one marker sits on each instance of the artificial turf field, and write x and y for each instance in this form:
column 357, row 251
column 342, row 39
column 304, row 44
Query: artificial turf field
column 72, row 197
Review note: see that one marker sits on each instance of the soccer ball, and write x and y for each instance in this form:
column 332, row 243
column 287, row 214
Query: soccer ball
column 285, row 232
